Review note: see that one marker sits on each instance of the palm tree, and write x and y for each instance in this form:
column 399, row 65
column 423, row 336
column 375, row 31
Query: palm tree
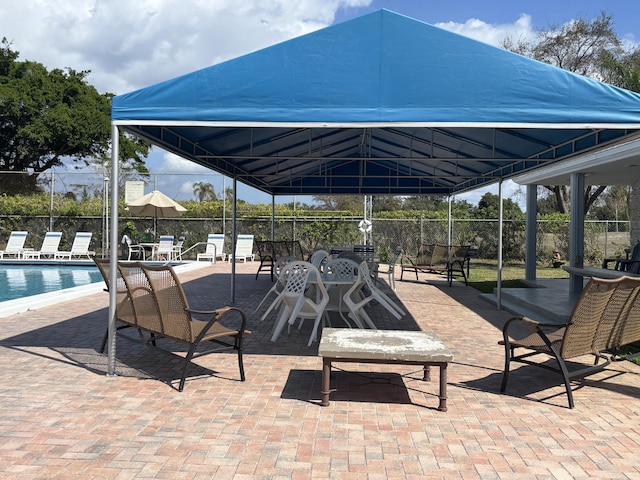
column 204, row 191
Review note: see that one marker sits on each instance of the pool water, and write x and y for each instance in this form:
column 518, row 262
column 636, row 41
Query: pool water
column 19, row 281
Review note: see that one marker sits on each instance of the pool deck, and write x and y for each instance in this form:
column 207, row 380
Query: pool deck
column 62, row 417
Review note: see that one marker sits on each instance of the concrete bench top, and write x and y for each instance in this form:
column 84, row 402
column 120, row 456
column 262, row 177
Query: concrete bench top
column 598, row 272
column 382, row 345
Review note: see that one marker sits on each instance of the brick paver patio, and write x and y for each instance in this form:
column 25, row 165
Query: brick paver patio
column 63, row 418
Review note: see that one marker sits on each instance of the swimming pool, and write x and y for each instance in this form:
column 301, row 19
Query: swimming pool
column 19, row 281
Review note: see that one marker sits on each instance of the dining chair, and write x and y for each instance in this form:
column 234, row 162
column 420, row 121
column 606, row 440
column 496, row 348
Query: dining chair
column 345, row 271
column 294, row 304
column 134, row 248
column 319, row 258
column 388, row 268
column 362, row 294
column 281, row 268
column 164, row 249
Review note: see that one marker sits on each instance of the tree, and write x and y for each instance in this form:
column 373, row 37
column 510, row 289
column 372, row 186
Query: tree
column 424, row 202
column 586, row 47
column 204, row 191
column 342, row 203
column 49, row 117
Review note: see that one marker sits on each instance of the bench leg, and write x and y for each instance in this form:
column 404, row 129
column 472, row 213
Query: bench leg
column 442, row 406
column 326, row 381
column 426, row 374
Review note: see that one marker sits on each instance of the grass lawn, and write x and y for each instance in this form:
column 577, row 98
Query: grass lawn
column 483, row 275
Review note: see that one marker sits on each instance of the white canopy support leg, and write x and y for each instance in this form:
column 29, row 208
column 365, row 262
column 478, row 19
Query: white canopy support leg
column 500, row 220
column 113, row 252
column 234, row 239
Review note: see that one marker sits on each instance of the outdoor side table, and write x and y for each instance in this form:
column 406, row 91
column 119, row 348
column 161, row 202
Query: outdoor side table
column 400, row 347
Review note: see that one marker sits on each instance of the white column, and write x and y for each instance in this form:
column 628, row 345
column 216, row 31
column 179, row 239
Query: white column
column 531, row 233
column 576, row 231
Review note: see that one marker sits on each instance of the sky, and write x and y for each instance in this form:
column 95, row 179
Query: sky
column 128, row 45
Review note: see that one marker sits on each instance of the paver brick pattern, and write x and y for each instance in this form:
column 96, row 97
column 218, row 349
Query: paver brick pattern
column 62, row 417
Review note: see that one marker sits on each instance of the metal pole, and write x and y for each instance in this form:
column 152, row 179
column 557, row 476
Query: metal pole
column 53, row 178
column 105, row 237
column 234, row 240
column 224, row 205
column 293, row 226
column 113, row 254
column 364, row 234
column 500, row 214
column 273, row 217
column 449, row 226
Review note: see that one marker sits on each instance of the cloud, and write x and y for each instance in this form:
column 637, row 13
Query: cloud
column 128, row 45
column 493, row 34
column 174, row 163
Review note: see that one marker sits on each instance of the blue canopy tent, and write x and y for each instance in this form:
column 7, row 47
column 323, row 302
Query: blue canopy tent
column 381, row 104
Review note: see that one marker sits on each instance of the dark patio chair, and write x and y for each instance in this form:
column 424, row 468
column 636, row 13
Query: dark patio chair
column 631, row 265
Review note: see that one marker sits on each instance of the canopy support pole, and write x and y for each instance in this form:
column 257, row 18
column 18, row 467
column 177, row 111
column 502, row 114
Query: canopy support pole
column 449, row 224
column 113, row 252
column 273, row 218
column 234, row 239
column 500, row 219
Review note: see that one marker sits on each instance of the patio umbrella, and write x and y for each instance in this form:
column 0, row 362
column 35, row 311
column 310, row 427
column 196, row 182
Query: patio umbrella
column 155, row 204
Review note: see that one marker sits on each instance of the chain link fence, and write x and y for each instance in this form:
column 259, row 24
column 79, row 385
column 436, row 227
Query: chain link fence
column 603, row 239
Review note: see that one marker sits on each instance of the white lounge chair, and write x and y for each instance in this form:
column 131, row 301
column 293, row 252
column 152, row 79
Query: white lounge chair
column 15, row 245
column 79, row 248
column 215, row 248
column 49, row 247
column 244, row 249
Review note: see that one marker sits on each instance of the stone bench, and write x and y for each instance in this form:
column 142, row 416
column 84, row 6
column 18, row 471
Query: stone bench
column 597, row 272
column 383, row 346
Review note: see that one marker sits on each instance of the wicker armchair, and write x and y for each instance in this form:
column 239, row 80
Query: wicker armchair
column 605, row 317
column 436, row 258
column 151, row 299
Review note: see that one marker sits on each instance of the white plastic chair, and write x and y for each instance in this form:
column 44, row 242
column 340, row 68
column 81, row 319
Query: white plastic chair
column 214, row 249
column 164, row 249
column 341, row 269
column 79, row 248
column 389, row 268
column 15, row 244
column 360, row 295
column 134, row 248
column 49, row 246
column 244, row 249
column 281, row 268
column 293, row 302
column 319, row 258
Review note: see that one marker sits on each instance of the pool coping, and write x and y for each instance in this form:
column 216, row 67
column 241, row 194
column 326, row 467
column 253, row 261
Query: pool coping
column 34, row 302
